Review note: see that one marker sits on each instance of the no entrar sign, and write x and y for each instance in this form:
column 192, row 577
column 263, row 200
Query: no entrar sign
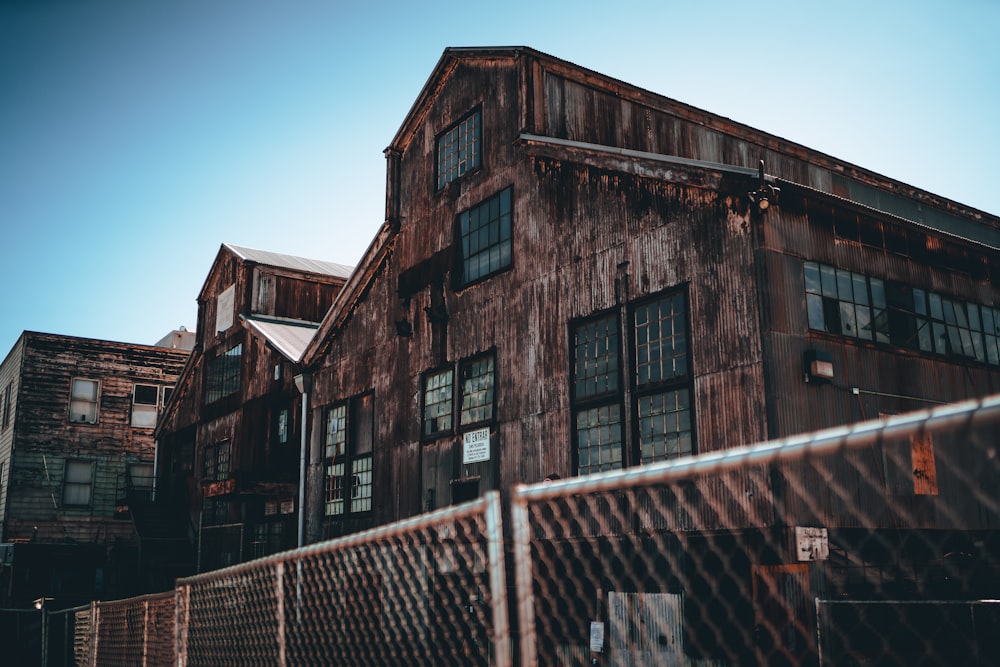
column 476, row 446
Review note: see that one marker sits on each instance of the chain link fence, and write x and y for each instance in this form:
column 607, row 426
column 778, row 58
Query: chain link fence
column 427, row 591
column 873, row 544
column 724, row 558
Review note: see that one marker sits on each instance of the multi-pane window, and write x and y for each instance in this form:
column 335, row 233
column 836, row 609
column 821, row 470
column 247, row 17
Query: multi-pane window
column 485, row 238
column 477, row 391
column 597, row 396
column 348, row 450
column 78, row 482
column 661, row 378
column 215, row 462
column 223, row 374
column 844, row 302
column 659, row 395
column 474, row 402
column 459, row 150
column 438, row 402
column 852, row 304
column 83, row 401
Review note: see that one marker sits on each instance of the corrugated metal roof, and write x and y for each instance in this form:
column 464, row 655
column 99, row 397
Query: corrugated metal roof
column 291, row 261
column 288, row 339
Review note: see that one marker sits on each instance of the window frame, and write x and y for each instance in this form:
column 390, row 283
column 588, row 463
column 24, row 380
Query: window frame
column 224, row 374
column 441, row 183
column 212, row 459
column 663, row 386
column 456, row 401
column 912, row 318
column 77, row 484
column 96, row 403
column 610, row 398
column 155, row 405
column 355, row 460
column 504, row 244
column 425, row 378
column 629, row 391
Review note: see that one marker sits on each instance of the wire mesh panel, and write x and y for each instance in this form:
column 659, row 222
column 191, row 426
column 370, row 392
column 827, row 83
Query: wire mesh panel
column 719, row 559
column 424, row 591
column 137, row 631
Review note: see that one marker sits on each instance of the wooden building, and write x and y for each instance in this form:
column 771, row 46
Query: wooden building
column 229, row 441
column 76, row 464
column 576, row 275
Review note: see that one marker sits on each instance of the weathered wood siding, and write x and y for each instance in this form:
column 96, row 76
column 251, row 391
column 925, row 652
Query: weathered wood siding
column 581, row 232
column 889, row 379
column 45, row 438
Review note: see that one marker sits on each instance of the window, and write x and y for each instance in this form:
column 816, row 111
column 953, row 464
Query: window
column 6, row 406
column 845, row 303
column 78, row 481
column 459, row 149
column 663, row 396
column 349, row 445
column 659, row 398
column 140, row 479
column 485, row 245
column 851, row 304
column 215, row 462
column 477, row 391
column 145, row 403
column 596, row 395
column 438, row 403
column 223, row 374
column 282, row 426
column 83, row 401
column 476, row 398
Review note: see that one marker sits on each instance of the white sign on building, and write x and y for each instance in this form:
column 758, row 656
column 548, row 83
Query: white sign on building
column 476, row 446
column 812, row 543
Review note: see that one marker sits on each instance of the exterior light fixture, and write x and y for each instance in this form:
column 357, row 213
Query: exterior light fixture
column 817, row 366
column 765, row 194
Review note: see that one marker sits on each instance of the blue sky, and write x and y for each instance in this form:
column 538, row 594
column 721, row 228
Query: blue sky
column 138, row 136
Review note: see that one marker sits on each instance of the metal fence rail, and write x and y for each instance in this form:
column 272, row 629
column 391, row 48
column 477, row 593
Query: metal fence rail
column 424, row 591
column 718, row 559
column 877, row 543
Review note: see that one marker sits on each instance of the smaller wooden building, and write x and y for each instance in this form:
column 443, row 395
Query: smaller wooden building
column 76, row 464
column 229, row 441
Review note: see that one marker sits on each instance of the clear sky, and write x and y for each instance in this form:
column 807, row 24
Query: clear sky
column 136, row 136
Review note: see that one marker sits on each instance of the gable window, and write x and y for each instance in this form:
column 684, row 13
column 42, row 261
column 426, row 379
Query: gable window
column 83, row 401
column 145, row 402
column 223, row 374
column 348, row 451
column 459, row 149
column 659, row 397
column 78, row 481
column 485, row 241
column 473, row 402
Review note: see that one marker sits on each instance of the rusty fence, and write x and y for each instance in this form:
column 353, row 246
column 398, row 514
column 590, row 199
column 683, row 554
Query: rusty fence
column 875, row 543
